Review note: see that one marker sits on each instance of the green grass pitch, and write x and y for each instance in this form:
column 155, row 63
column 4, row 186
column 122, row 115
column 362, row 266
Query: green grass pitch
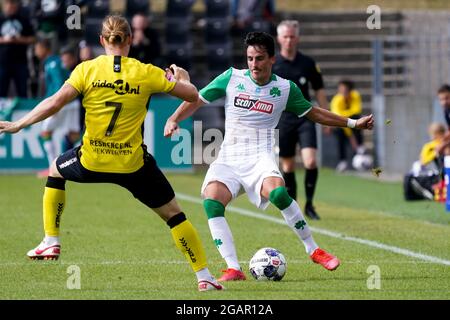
column 124, row 251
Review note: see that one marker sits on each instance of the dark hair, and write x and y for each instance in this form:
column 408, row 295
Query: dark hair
column 69, row 49
column 44, row 42
column 261, row 39
column 444, row 88
column 348, row 83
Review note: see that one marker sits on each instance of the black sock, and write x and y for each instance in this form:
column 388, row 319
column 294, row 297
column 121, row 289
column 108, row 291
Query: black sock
column 176, row 220
column 291, row 184
column 56, row 183
column 310, row 184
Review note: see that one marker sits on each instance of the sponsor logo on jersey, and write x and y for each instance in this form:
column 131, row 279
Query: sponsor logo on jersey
column 244, row 101
column 240, row 87
column 275, row 92
column 67, row 163
column 120, row 87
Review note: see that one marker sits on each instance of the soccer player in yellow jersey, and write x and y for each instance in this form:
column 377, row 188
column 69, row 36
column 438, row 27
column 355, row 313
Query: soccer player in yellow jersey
column 116, row 91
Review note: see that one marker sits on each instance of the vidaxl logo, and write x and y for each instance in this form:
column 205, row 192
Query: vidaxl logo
column 119, row 86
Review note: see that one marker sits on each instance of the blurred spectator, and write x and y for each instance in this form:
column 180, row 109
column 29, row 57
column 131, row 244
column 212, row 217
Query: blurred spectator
column 425, row 180
column 444, row 100
column 85, row 51
column 49, row 19
column 253, row 15
column 347, row 103
column 70, row 59
column 428, row 154
column 67, row 118
column 16, row 33
column 145, row 47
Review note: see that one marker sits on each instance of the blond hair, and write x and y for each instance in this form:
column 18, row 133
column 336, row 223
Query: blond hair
column 436, row 130
column 115, row 29
column 289, row 24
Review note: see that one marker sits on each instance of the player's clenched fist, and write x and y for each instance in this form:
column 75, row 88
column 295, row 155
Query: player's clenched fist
column 170, row 128
column 365, row 122
column 178, row 73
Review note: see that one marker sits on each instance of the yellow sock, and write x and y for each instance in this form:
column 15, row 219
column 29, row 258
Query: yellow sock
column 53, row 206
column 187, row 240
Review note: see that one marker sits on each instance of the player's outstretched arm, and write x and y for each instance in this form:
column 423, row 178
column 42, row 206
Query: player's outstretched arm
column 43, row 110
column 328, row 118
column 185, row 110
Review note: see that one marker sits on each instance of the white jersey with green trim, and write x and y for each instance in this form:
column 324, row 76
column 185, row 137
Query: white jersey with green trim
column 252, row 112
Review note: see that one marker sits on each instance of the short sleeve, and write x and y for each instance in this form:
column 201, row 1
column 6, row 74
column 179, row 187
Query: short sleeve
column 76, row 78
column 217, row 88
column 158, row 81
column 316, row 77
column 296, row 102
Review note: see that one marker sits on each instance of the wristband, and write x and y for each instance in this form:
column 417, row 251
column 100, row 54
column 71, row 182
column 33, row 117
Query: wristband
column 351, row 123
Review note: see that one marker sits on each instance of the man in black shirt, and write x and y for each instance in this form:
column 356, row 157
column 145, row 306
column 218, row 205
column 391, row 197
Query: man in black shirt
column 16, row 33
column 302, row 70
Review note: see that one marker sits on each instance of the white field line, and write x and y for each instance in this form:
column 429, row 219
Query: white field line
column 328, row 233
column 27, row 262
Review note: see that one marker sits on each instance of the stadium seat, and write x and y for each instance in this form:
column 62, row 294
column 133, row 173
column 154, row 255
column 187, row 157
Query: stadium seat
column 219, row 58
column 179, row 8
column 98, row 8
column 177, row 31
column 217, row 8
column 180, row 55
column 259, row 25
column 217, row 30
column 137, row 6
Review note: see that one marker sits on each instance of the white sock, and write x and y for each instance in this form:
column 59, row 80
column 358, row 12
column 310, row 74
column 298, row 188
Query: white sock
column 204, row 274
column 294, row 218
column 223, row 239
column 49, row 148
column 51, row 240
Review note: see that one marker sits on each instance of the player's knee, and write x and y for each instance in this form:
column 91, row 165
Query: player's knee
column 213, row 208
column 288, row 164
column 280, row 198
column 310, row 163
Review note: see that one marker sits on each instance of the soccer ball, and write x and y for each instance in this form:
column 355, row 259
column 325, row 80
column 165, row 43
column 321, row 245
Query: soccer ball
column 362, row 162
column 268, row 264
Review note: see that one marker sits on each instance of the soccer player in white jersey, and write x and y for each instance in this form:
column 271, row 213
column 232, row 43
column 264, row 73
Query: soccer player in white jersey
column 254, row 101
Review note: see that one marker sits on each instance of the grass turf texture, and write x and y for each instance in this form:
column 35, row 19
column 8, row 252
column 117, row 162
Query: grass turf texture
column 126, row 252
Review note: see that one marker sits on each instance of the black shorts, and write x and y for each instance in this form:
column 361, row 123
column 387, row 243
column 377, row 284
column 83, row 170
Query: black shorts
column 148, row 184
column 293, row 129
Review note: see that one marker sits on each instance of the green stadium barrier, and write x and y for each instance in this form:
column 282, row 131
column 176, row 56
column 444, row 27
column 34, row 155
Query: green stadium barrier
column 23, row 151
